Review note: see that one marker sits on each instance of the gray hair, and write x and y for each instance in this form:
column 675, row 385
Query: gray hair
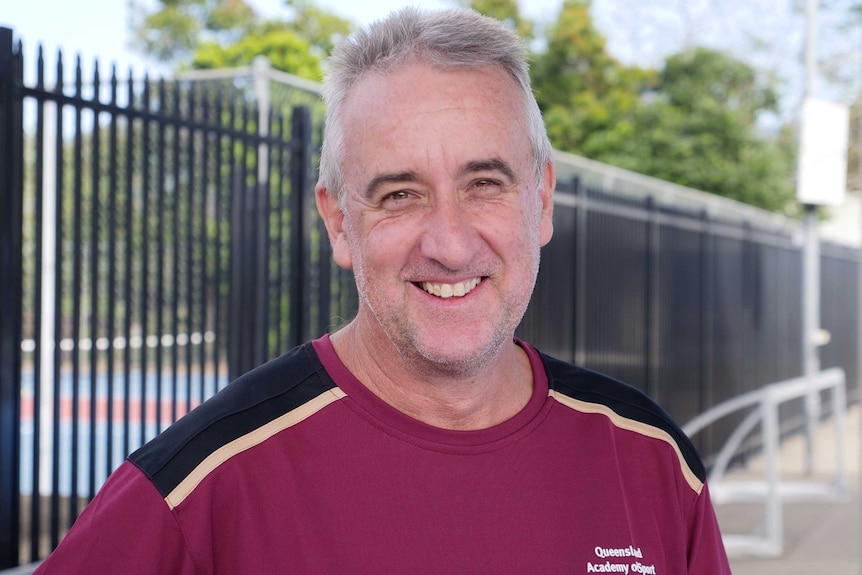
column 449, row 39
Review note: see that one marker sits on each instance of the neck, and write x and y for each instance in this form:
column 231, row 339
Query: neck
column 442, row 397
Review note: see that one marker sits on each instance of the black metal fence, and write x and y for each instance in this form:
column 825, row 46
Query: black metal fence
column 689, row 308
column 157, row 239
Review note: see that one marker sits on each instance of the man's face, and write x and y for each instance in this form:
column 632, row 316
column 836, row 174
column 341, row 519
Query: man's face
column 443, row 218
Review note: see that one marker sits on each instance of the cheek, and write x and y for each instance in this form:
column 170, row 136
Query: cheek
column 519, row 240
column 389, row 241
column 372, row 251
column 516, row 228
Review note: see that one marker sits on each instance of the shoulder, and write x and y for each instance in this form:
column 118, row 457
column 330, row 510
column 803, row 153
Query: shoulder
column 626, row 407
column 250, row 409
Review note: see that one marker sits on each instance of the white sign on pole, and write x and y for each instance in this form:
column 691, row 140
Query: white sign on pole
column 822, row 178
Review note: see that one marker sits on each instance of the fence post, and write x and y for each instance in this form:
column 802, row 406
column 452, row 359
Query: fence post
column 260, row 219
column 652, row 310
column 707, row 315
column 300, row 228
column 581, row 251
column 11, row 272
column 242, row 269
column 774, row 528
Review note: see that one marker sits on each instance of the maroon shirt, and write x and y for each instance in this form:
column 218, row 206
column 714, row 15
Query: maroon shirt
column 297, row 468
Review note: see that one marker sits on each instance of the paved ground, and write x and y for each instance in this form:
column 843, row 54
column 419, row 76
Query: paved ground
column 819, row 538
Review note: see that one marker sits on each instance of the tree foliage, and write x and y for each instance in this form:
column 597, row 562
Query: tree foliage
column 692, row 122
column 506, row 11
column 586, row 95
column 697, row 128
column 285, row 49
column 225, row 33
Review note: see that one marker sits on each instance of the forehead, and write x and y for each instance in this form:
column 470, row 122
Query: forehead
column 419, row 113
column 416, row 71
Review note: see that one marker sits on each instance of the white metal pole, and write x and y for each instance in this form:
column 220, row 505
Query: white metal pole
column 774, row 526
column 811, row 260
column 811, row 325
column 857, row 392
column 260, row 71
column 49, row 280
column 858, row 383
column 839, row 411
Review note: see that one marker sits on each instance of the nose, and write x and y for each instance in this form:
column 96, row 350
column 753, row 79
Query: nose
column 448, row 236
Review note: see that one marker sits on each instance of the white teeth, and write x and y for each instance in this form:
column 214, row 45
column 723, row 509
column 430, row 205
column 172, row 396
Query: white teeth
column 451, row 290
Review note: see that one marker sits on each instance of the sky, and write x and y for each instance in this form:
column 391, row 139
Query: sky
column 98, row 29
column 639, row 32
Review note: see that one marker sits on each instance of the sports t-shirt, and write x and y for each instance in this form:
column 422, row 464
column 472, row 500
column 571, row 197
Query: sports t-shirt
column 296, row 467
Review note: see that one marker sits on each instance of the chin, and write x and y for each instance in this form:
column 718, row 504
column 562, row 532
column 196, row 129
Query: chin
column 454, row 359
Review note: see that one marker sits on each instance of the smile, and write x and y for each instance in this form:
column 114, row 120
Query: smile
column 451, row 290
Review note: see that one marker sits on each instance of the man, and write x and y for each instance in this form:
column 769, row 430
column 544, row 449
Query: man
column 422, row 437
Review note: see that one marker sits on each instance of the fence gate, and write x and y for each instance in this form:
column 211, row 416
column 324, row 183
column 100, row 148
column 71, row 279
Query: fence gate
column 156, row 239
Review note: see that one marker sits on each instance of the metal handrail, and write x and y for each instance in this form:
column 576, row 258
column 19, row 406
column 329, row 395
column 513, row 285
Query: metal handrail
column 772, row 491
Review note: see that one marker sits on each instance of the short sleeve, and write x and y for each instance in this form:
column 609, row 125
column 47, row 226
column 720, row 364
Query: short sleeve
column 126, row 529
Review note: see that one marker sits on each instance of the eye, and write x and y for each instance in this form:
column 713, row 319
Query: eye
column 396, row 196
column 486, row 187
column 398, row 200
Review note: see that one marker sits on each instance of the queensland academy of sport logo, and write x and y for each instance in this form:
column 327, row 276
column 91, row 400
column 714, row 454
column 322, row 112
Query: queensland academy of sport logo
column 625, row 560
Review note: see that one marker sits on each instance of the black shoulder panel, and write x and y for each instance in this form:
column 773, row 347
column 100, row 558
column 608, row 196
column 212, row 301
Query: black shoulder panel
column 253, row 400
column 623, row 399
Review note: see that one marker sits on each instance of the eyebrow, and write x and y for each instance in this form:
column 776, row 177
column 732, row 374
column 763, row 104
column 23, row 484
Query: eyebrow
column 396, row 178
column 490, row 165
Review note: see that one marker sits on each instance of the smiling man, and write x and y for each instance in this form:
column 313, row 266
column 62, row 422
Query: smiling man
column 422, row 437
column 440, row 211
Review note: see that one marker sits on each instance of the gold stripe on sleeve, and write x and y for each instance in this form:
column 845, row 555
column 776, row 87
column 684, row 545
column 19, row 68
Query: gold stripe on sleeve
column 632, row 425
column 248, row 441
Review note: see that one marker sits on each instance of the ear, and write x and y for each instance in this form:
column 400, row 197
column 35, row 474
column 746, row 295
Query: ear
column 330, row 211
column 549, row 182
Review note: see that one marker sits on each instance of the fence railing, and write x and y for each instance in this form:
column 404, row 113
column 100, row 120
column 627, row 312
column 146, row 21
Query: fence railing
column 772, row 490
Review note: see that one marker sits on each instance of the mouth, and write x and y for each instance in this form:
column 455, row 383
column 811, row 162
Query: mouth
column 446, row 291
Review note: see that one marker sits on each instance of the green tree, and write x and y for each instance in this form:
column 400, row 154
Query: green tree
column 322, row 29
column 220, row 33
column 286, row 50
column 698, row 129
column 586, row 95
column 172, row 30
column 506, row 11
